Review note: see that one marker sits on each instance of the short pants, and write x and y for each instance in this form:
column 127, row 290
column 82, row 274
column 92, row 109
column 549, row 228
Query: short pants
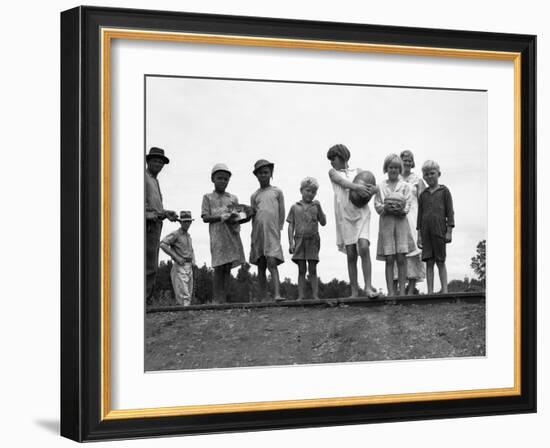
column 306, row 247
column 433, row 247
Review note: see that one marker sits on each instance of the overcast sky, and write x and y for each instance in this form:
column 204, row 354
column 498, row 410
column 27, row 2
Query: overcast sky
column 200, row 122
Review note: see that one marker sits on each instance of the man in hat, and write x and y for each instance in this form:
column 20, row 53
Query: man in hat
column 179, row 246
column 154, row 215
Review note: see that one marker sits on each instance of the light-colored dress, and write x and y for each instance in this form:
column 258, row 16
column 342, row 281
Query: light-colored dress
column 394, row 232
column 352, row 223
column 416, row 269
column 225, row 239
column 267, row 224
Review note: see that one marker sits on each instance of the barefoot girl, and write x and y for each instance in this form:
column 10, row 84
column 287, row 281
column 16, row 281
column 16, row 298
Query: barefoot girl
column 352, row 223
column 225, row 240
column 269, row 217
column 395, row 240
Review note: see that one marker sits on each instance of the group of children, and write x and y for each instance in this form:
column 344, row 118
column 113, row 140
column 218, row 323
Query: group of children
column 428, row 208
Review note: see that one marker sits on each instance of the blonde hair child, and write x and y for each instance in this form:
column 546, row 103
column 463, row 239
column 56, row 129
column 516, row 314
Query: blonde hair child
column 303, row 220
column 395, row 240
column 435, row 224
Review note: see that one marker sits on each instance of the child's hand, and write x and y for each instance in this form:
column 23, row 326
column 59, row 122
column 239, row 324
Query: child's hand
column 361, row 189
column 291, row 248
column 448, row 236
column 372, row 189
column 179, row 260
column 419, row 241
column 225, row 216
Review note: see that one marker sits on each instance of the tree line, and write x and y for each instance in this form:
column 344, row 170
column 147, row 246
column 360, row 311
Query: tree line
column 243, row 286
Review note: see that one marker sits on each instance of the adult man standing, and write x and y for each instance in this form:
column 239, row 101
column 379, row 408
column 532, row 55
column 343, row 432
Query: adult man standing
column 154, row 215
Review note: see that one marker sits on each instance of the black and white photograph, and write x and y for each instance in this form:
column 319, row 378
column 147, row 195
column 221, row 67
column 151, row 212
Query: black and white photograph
column 312, row 223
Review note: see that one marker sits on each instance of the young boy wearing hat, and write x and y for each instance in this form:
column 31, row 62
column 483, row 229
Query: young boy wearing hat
column 154, row 215
column 226, row 246
column 179, row 246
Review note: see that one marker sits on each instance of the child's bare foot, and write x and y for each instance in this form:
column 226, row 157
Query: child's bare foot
column 278, row 298
column 315, row 298
column 354, row 293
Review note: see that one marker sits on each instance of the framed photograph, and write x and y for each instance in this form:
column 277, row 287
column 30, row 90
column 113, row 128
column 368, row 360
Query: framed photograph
column 273, row 223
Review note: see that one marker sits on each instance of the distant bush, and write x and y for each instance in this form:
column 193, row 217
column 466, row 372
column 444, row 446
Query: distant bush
column 478, row 262
column 466, row 285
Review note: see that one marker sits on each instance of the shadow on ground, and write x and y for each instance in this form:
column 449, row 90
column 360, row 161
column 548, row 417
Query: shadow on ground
column 51, row 426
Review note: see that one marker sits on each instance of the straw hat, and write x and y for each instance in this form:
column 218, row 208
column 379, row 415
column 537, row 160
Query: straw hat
column 185, row 215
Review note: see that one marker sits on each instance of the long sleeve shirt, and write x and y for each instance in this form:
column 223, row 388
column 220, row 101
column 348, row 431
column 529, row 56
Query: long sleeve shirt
column 435, row 211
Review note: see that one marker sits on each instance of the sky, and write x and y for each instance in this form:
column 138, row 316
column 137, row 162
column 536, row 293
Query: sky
column 200, row 122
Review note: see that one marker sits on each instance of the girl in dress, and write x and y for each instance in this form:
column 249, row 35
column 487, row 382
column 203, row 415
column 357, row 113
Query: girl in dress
column 352, row 223
column 269, row 217
column 416, row 271
column 395, row 240
column 225, row 240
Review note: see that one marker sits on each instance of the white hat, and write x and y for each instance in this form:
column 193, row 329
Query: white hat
column 220, row 167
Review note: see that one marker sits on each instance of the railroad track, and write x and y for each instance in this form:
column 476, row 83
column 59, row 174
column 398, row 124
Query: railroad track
column 472, row 297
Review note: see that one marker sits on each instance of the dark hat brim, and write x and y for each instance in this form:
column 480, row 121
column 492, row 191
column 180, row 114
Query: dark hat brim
column 270, row 165
column 165, row 159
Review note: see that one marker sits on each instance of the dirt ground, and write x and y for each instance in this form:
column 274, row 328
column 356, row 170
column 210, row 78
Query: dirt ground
column 201, row 339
